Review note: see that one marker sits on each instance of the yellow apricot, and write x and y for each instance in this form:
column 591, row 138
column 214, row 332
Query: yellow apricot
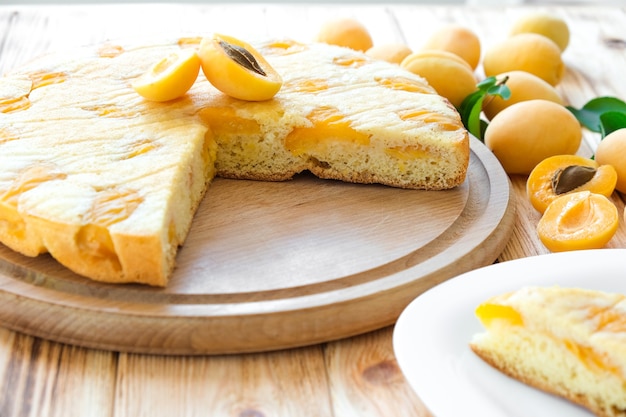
column 458, row 40
column 345, row 32
column 528, row 132
column 528, row 52
column 612, row 150
column 582, row 220
column 524, row 86
column 546, row 24
column 237, row 69
column 446, row 72
column 392, row 52
column 169, row 78
column 562, row 174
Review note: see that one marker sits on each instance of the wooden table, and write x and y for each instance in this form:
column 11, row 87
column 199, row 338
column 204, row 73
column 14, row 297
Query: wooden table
column 357, row 376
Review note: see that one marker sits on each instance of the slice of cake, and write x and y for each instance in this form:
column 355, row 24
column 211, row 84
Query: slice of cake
column 566, row 341
column 108, row 182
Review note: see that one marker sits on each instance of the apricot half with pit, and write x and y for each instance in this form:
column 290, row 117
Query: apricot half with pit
column 563, row 174
column 237, row 69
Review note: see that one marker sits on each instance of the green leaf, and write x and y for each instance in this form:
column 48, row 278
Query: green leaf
column 501, row 90
column 471, row 107
column 611, row 121
column 589, row 114
column 470, row 112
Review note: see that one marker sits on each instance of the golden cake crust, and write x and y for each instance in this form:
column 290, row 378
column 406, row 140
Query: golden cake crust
column 108, row 183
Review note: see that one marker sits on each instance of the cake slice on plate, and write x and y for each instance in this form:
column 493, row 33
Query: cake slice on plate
column 566, row 341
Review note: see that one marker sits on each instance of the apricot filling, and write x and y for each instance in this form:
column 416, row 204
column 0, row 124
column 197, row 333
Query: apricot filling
column 488, row 313
column 30, row 178
column 404, row 84
column 225, row 122
column 428, row 117
column 329, row 125
column 42, row 79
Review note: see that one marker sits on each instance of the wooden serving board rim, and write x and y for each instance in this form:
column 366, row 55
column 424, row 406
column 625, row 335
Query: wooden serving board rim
column 475, row 240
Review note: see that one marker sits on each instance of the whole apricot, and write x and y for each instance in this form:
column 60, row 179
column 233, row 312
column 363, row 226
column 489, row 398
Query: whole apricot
column 546, row 24
column 391, row 52
column 528, row 52
column 524, row 86
column 528, row 132
column 612, row 150
column 456, row 39
column 446, row 72
column 562, row 174
column 345, row 32
column 582, row 220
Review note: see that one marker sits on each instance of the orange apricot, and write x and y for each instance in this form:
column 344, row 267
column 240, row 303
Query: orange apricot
column 237, row 69
column 457, row 39
column 169, row 78
column 446, row 72
column 524, row 86
column 390, row 52
column 562, row 174
column 551, row 26
column 612, row 150
column 580, row 220
column 526, row 133
column 346, row 32
column 528, row 52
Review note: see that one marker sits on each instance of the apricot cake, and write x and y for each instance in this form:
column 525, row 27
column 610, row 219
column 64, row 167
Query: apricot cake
column 108, row 182
column 566, row 341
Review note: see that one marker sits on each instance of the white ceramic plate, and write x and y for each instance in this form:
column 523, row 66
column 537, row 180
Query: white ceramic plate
column 432, row 334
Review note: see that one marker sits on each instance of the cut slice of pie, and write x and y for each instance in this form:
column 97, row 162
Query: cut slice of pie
column 566, row 341
column 108, row 182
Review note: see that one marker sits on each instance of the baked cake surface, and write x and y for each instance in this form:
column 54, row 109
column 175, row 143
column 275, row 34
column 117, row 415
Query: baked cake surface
column 108, row 182
column 567, row 341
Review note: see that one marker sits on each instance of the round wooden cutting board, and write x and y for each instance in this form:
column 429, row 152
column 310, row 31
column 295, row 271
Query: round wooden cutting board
column 275, row 265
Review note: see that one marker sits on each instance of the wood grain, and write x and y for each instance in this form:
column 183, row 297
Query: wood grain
column 369, row 377
column 252, row 385
column 40, row 378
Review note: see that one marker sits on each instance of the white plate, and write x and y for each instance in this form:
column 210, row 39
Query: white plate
column 432, row 334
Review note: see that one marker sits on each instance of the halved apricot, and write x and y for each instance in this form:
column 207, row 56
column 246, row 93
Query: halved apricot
column 237, row 69
column 169, row 78
column 562, row 174
column 580, row 220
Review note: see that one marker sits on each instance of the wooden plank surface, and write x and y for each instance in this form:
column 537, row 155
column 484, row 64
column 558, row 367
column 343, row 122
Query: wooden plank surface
column 357, row 376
